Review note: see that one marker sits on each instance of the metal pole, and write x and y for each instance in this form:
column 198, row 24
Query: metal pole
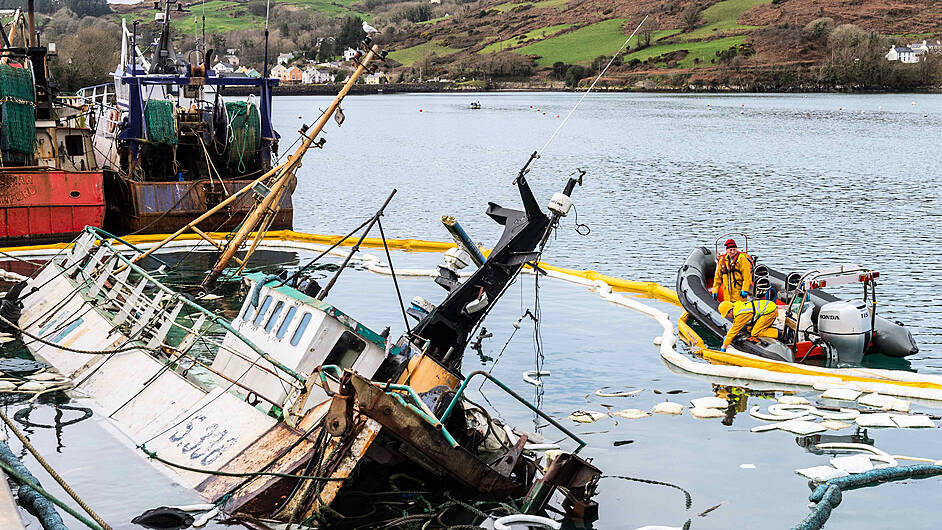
column 286, row 174
column 323, row 294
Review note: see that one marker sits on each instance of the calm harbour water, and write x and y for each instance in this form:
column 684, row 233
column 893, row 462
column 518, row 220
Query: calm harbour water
column 813, row 180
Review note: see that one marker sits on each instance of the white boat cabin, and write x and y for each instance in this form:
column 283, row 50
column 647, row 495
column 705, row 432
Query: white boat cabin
column 299, row 331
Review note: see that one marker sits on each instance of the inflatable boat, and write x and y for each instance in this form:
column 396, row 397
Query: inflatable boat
column 813, row 326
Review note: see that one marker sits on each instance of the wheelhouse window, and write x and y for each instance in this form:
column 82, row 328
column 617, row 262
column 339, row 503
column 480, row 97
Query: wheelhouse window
column 274, row 316
column 302, row 327
column 283, row 328
column 346, row 351
column 74, row 145
column 261, row 312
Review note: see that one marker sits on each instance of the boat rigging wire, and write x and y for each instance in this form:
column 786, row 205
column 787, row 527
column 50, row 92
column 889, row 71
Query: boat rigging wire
column 586, row 93
column 402, row 306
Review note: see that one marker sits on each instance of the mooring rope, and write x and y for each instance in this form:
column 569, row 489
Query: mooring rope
column 586, row 93
column 52, row 472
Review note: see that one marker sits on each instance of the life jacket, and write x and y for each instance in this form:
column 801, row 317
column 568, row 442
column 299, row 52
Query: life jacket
column 758, row 308
column 731, row 270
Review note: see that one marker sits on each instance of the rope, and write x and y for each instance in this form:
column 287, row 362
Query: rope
column 827, row 495
column 52, row 472
column 153, row 455
column 571, row 111
column 22, row 479
column 73, row 350
column 21, row 260
column 688, row 500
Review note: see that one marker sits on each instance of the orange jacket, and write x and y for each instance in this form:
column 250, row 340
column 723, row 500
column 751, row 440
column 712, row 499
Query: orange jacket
column 732, row 276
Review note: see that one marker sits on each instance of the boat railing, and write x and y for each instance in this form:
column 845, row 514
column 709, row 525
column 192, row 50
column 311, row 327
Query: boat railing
column 148, row 310
column 464, row 384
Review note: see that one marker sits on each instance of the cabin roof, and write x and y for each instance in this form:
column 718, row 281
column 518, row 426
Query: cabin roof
column 330, row 310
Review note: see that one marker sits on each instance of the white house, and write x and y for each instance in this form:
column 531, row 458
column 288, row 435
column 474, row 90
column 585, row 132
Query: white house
column 903, row 54
column 222, row 68
column 232, row 59
column 285, row 58
column 313, row 76
column 349, row 54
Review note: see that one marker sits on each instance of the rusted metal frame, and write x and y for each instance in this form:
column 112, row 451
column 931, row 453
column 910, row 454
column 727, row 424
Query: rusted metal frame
column 505, row 388
column 420, row 441
column 422, row 409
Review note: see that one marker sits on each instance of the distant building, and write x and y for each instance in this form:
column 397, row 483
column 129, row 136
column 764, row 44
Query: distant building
column 313, row 76
column 903, row 54
column 349, row 54
column 379, row 78
column 280, row 71
column 232, row 60
column 253, row 73
column 294, row 75
column 285, row 58
column 223, row 68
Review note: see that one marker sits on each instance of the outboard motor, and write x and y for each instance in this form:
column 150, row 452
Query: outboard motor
column 846, row 326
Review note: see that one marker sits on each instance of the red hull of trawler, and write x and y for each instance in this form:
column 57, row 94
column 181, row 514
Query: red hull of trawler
column 44, row 205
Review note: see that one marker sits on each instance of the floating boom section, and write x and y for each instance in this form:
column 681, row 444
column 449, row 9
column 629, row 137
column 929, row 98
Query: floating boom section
column 448, row 326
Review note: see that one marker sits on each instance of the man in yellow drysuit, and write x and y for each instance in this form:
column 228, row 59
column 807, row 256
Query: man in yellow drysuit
column 733, row 275
column 759, row 313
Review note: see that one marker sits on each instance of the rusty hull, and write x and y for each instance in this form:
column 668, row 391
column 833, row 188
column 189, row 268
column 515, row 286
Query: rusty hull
column 423, row 442
column 165, row 207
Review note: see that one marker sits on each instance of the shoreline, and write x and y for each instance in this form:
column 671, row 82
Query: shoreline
column 451, row 88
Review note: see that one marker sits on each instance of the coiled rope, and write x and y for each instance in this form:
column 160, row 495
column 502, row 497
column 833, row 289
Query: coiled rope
column 827, row 495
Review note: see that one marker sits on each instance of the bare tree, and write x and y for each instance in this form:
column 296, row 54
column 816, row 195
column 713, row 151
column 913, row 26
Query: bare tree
column 646, row 33
column 691, row 17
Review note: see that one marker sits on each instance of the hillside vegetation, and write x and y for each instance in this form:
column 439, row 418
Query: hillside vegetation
column 760, row 44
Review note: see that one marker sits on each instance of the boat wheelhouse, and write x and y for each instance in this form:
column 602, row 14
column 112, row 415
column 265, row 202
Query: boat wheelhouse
column 171, row 146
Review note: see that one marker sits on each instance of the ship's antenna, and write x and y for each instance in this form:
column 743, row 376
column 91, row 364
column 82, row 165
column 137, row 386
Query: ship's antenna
column 586, row 93
column 265, row 64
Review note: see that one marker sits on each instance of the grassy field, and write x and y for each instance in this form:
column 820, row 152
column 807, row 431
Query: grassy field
column 723, row 17
column 705, row 51
column 408, row 56
column 579, row 46
column 434, row 20
column 503, row 8
column 228, row 15
column 516, row 40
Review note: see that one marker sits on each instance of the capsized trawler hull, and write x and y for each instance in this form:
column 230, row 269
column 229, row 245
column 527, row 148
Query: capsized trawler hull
column 133, row 346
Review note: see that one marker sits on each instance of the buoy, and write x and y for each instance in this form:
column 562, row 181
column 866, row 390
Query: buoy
column 531, row 106
column 557, row 115
column 300, row 117
column 420, row 110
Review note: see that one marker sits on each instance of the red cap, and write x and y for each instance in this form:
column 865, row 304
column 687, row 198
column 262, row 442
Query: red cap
column 731, row 244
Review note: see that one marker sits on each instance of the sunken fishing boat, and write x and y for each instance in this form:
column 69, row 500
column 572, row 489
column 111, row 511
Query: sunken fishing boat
column 171, row 147
column 294, row 411
column 811, row 326
column 50, row 182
